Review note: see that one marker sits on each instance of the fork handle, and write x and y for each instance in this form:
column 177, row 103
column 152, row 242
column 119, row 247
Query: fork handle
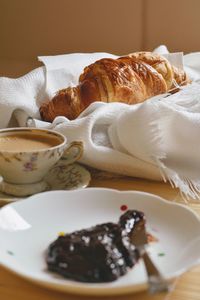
column 150, row 266
column 156, row 281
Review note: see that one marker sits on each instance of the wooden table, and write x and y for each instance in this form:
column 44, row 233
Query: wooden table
column 187, row 286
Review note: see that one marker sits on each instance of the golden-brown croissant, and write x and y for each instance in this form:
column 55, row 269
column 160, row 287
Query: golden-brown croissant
column 130, row 79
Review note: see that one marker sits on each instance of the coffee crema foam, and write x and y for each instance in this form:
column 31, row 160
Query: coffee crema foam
column 27, row 142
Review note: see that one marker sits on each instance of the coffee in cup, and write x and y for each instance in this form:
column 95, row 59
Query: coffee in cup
column 26, row 156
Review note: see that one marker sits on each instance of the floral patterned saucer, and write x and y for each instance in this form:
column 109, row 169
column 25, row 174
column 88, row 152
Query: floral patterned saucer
column 61, row 176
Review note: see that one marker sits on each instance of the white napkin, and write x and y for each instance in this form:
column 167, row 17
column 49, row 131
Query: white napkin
column 92, row 127
column 64, row 70
column 142, row 140
column 29, row 91
column 24, row 93
column 158, row 139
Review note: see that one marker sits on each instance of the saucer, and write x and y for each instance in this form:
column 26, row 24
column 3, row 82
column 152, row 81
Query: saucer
column 62, row 176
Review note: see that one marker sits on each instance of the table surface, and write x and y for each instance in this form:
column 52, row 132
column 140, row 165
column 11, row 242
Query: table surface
column 187, row 286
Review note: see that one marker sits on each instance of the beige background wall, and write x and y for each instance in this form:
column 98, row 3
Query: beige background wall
column 29, row 28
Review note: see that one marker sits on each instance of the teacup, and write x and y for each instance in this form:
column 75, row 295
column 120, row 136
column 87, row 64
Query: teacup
column 26, row 156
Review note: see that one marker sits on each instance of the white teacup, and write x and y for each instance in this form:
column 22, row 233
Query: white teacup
column 26, row 156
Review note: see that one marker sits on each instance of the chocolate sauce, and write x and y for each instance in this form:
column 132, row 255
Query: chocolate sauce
column 101, row 253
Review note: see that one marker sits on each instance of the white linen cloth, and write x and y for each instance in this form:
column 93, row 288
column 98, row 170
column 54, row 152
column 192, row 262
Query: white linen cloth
column 151, row 140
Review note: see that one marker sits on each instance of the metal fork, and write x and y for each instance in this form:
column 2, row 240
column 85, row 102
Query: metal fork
column 156, row 282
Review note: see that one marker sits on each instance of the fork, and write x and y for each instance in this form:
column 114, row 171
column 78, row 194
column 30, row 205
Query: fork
column 156, row 282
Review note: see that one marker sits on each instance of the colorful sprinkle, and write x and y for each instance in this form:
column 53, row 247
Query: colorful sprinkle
column 151, row 238
column 123, row 207
column 154, row 229
column 10, row 252
column 61, row 233
column 161, row 254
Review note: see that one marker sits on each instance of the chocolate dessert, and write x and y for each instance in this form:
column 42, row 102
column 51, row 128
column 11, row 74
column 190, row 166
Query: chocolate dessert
column 98, row 254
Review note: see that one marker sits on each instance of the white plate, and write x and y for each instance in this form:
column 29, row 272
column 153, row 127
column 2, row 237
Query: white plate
column 61, row 176
column 28, row 226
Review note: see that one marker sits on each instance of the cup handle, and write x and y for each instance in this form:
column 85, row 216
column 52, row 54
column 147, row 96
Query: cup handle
column 73, row 152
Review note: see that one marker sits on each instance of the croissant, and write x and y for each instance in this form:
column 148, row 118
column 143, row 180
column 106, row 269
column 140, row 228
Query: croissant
column 129, row 79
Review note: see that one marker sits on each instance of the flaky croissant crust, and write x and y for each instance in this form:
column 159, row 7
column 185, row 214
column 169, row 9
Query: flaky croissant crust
column 130, row 79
